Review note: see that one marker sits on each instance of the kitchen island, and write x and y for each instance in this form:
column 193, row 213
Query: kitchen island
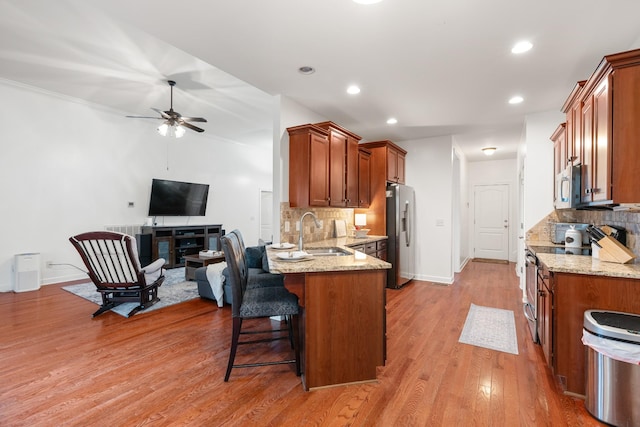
column 577, row 283
column 343, row 321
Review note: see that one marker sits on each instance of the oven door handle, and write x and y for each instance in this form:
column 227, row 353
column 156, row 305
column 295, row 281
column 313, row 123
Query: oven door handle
column 526, row 312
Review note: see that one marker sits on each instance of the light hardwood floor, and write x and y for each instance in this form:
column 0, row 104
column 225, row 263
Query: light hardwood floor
column 61, row 367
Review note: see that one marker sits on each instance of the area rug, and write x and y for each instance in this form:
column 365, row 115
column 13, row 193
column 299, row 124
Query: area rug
column 174, row 290
column 492, row 328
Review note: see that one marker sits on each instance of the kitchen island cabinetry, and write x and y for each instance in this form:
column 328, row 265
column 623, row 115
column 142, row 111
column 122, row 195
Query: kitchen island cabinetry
column 308, row 166
column 343, row 320
column 570, row 294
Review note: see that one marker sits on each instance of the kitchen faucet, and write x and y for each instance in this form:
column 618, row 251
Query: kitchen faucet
column 315, row 219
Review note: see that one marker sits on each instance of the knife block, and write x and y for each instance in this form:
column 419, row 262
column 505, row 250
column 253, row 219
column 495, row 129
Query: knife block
column 613, row 251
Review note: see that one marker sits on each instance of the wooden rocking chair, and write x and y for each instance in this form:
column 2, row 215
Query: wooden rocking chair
column 113, row 266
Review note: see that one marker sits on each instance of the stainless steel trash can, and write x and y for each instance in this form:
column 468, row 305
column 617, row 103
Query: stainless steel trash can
column 612, row 374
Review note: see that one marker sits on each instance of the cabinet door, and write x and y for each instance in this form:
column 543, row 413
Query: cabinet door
column 545, row 307
column 400, row 168
column 559, row 155
column 163, row 248
column 337, row 169
column 364, row 179
column 318, row 171
column 392, row 165
column 601, row 152
column 352, row 173
column 574, row 138
column 587, row 149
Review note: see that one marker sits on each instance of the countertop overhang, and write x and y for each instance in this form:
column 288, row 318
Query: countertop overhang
column 584, row 264
column 317, row 264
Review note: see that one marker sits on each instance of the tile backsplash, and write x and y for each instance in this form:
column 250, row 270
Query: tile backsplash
column 629, row 219
column 311, row 232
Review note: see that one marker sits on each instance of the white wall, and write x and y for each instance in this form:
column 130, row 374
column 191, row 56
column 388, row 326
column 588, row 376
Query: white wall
column 69, row 167
column 495, row 172
column 538, row 166
column 429, row 172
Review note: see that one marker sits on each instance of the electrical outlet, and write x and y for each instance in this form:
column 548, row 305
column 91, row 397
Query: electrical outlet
column 131, row 204
column 297, row 225
column 321, row 223
column 287, row 226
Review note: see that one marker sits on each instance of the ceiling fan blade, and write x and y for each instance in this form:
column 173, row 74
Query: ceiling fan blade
column 194, row 119
column 162, row 113
column 190, row 126
column 144, row 117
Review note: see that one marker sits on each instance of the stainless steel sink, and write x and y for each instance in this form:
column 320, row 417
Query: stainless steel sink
column 331, row 251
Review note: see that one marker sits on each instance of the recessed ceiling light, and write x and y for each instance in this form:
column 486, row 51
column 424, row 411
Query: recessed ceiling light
column 521, row 47
column 367, row 1
column 392, row 121
column 488, row 151
column 353, row 90
column 516, row 100
column 307, row 70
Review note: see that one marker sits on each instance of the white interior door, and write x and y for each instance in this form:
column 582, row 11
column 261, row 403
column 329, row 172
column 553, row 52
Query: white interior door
column 491, row 221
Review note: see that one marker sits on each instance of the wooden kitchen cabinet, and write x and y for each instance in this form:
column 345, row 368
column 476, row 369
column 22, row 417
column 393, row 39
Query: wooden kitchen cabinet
column 394, row 159
column 308, row 166
column 561, row 317
column 343, row 165
column 544, row 315
column 559, row 139
column 573, row 110
column 596, row 148
column 603, row 128
column 364, row 178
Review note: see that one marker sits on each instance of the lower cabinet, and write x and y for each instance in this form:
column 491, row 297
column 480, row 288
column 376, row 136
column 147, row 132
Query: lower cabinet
column 377, row 249
column 561, row 318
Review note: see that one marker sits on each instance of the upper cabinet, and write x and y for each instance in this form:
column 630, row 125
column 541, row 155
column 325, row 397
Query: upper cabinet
column 560, row 147
column 602, row 130
column 394, row 159
column 343, row 165
column 308, row 166
column 364, row 178
column 573, row 109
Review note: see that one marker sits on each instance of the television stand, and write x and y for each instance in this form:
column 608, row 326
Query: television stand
column 173, row 243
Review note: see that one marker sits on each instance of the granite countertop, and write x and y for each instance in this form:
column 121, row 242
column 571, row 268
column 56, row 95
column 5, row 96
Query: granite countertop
column 356, row 261
column 584, row 264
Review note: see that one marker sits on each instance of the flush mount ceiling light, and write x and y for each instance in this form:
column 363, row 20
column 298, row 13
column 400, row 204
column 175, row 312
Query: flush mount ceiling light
column 488, row 151
column 306, row 70
column 353, row 90
column 521, row 47
column 392, row 121
column 516, row 99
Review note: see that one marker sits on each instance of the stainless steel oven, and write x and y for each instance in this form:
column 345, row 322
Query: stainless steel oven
column 530, row 306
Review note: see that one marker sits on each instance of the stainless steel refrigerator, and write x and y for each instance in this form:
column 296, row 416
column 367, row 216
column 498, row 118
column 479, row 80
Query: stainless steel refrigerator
column 401, row 233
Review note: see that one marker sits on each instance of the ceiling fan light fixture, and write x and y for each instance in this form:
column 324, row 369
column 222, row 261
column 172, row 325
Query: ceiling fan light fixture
column 171, row 130
column 488, row 151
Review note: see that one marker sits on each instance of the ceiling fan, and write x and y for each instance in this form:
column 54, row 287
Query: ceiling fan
column 174, row 120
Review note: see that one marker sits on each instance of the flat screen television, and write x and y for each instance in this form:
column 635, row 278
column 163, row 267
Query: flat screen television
column 175, row 198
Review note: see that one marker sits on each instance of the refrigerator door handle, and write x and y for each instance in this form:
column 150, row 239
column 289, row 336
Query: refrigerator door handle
column 407, row 219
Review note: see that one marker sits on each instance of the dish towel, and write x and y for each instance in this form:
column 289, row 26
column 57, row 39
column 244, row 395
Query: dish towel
column 216, row 279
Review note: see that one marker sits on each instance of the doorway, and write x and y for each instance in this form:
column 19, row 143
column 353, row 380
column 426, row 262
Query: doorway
column 491, row 221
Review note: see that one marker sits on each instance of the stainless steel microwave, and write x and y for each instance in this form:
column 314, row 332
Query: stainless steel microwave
column 568, row 188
